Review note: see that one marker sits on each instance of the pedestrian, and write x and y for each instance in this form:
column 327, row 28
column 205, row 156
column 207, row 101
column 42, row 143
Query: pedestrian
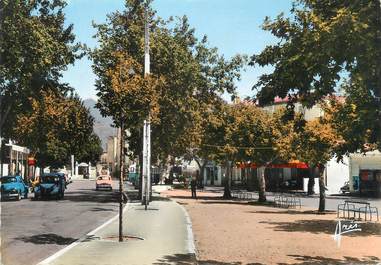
column 193, row 187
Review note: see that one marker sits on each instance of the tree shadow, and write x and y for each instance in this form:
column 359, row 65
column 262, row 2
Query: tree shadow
column 304, row 260
column 99, row 209
column 47, row 239
column 206, row 198
column 91, row 196
column 190, row 259
column 292, row 212
column 230, row 202
column 323, row 226
column 160, row 198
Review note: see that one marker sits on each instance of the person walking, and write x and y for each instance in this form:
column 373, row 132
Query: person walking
column 193, row 187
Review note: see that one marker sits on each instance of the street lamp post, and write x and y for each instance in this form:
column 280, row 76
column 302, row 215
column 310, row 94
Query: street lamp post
column 146, row 179
column 121, row 168
column 131, row 72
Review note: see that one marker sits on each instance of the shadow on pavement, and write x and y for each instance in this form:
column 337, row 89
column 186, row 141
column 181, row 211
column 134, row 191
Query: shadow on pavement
column 91, row 196
column 205, row 198
column 190, row 259
column 160, row 198
column 47, row 239
column 99, row 209
column 323, row 226
column 301, row 212
column 304, row 260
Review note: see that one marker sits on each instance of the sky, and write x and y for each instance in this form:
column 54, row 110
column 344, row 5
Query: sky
column 234, row 27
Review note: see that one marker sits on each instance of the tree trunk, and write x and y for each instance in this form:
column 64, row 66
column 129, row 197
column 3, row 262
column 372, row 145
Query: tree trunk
column 140, row 175
column 227, row 192
column 311, row 184
column 200, row 176
column 378, row 68
column 322, row 189
column 262, row 184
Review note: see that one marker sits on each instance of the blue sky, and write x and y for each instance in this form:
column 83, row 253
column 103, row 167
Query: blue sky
column 231, row 26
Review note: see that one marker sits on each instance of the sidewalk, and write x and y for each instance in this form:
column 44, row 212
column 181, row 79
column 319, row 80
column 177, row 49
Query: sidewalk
column 165, row 228
column 238, row 232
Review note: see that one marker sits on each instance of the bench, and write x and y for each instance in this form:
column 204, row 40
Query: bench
column 356, row 207
column 287, row 201
column 242, row 195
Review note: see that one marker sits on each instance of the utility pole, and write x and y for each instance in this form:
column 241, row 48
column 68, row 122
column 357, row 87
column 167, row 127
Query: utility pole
column 146, row 180
column 378, row 68
column 121, row 168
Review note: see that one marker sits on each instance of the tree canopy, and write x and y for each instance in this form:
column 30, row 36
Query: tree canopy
column 324, row 46
column 35, row 47
column 186, row 77
column 56, row 128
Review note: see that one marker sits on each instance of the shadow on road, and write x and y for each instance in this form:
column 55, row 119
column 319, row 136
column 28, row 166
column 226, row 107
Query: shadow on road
column 99, row 209
column 91, row 196
column 47, row 239
column 323, row 226
column 304, row 260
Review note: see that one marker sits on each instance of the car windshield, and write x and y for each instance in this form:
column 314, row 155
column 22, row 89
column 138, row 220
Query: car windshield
column 49, row 179
column 8, row 180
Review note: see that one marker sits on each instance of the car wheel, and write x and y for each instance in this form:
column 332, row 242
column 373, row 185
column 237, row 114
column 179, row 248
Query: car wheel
column 18, row 196
column 26, row 195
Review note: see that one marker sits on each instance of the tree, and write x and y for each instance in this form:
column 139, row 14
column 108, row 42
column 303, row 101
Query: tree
column 186, row 77
column 56, row 128
column 315, row 142
column 322, row 44
column 35, row 47
column 240, row 132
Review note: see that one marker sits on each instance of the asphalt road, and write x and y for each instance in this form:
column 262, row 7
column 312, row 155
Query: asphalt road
column 33, row 230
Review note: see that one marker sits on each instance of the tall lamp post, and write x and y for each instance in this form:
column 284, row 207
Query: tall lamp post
column 146, row 179
column 131, row 73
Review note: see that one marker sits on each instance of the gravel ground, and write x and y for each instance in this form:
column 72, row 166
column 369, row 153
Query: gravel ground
column 238, row 232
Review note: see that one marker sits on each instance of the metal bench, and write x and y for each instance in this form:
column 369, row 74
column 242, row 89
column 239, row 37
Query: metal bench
column 287, row 201
column 244, row 195
column 350, row 207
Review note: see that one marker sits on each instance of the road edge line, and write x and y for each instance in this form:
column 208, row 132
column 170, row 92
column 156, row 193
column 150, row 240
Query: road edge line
column 190, row 237
column 78, row 241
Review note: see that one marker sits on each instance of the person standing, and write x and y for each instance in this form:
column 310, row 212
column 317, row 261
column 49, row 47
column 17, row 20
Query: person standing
column 193, row 187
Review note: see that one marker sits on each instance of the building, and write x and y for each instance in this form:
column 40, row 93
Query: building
column 14, row 160
column 365, row 173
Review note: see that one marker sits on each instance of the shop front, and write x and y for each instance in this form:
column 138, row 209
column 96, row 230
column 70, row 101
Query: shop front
column 365, row 172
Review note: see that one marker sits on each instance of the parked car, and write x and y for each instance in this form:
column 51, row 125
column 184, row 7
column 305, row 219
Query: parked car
column 50, row 185
column 345, row 188
column 103, row 182
column 13, row 187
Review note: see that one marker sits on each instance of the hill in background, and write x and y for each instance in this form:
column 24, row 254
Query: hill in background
column 102, row 125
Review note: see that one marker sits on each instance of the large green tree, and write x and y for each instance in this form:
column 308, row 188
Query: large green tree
column 35, row 47
column 186, row 77
column 56, row 128
column 325, row 45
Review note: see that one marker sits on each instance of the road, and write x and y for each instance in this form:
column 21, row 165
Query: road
column 33, row 230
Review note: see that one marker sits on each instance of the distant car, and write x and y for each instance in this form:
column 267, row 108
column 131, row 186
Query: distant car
column 50, row 185
column 345, row 189
column 13, row 187
column 103, row 182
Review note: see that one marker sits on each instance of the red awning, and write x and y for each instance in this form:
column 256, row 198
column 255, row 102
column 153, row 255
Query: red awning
column 300, row 165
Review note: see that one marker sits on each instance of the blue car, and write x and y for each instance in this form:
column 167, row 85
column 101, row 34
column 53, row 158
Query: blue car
column 13, row 187
column 50, row 185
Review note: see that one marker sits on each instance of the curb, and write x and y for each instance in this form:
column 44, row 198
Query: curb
column 190, row 237
column 59, row 253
